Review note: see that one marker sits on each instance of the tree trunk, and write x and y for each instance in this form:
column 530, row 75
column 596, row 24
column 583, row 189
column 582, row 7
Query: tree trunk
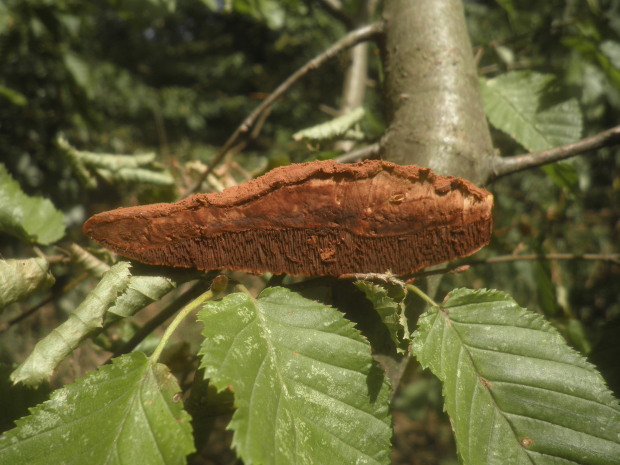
column 433, row 102
column 431, row 84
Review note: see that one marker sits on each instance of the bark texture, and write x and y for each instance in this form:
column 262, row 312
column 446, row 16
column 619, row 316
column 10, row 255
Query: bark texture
column 432, row 94
column 320, row 218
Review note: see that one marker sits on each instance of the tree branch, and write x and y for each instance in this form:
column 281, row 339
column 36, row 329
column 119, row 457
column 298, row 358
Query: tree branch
column 354, row 87
column 502, row 166
column 432, row 97
column 463, row 266
column 364, row 153
column 352, row 38
column 356, row 76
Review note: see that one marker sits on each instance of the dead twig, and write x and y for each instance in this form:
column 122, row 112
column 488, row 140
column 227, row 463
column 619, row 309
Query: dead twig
column 349, row 40
column 460, row 267
column 365, row 153
column 502, row 166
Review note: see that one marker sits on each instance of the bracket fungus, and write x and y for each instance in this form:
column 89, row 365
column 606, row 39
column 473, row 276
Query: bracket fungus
column 317, row 219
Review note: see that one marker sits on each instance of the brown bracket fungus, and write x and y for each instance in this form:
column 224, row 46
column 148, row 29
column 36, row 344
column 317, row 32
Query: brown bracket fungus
column 319, row 218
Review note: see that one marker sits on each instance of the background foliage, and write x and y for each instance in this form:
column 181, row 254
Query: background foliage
column 175, row 78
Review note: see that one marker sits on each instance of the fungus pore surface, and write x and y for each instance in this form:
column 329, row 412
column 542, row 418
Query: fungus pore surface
column 317, row 219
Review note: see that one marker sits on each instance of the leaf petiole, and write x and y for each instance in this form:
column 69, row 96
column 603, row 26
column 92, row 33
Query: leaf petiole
column 218, row 285
column 422, row 295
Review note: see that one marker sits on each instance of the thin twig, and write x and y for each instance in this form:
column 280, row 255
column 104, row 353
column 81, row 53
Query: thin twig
column 612, row 257
column 365, row 153
column 356, row 75
column 54, row 295
column 27, row 313
column 385, row 278
column 462, row 266
column 503, row 166
column 160, row 318
column 352, row 38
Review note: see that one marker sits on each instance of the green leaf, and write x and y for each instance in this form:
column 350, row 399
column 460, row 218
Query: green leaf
column 115, row 162
column 16, row 98
column 140, row 168
column 85, row 319
column 305, row 385
column 337, row 127
column 577, row 334
column 124, row 413
column 514, row 103
column 272, row 12
column 80, row 71
column 88, row 261
column 141, row 291
column 547, row 298
column 516, row 393
column 391, row 311
column 20, row 278
column 88, row 180
column 563, row 174
column 33, row 219
column 598, row 53
column 136, row 175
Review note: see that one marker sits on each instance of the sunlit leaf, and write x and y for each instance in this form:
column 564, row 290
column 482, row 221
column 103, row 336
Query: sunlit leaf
column 88, row 261
column 88, row 317
column 88, row 180
column 515, row 391
column 337, row 127
column 140, row 168
column 137, row 175
column 124, row 413
column 20, row 278
column 115, row 162
column 141, row 291
column 33, row 219
column 305, row 385
column 515, row 103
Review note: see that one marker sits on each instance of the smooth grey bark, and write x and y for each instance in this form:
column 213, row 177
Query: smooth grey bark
column 354, row 88
column 432, row 94
column 356, row 76
column 433, row 103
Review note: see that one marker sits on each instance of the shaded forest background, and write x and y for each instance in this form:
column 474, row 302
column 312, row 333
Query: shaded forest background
column 177, row 78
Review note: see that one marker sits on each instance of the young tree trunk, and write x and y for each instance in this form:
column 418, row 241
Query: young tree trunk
column 431, row 84
column 433, row 102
